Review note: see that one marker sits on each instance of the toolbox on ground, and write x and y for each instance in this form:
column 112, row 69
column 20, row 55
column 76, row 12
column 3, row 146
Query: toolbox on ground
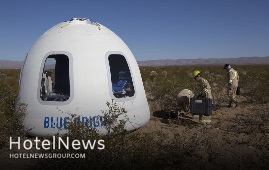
column 201, row 106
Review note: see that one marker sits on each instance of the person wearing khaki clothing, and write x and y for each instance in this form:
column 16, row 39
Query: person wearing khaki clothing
column 233, row 80
column 204, row 91
column 183, row 100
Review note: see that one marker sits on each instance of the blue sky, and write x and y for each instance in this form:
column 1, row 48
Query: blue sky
column 153, row 29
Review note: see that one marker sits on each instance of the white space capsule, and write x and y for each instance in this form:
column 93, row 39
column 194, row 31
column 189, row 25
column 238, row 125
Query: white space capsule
column 76, row 67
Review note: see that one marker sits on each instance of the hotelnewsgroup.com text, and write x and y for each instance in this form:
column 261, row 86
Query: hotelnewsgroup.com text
column 57, row 143
column 46, row 155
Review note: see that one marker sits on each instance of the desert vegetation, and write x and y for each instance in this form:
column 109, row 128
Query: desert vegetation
column 162, row 84
column 11, row 120
column 238, row 138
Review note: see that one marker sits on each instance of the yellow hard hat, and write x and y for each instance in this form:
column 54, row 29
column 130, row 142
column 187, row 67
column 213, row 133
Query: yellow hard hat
column 196, row 73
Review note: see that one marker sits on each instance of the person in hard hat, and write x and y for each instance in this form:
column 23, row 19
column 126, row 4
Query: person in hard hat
column 204, row 88
column 233, row 80
column 183, row 101
column 204, row 91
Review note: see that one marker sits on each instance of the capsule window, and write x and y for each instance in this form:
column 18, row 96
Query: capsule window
column 121, row 79
column 55, row 81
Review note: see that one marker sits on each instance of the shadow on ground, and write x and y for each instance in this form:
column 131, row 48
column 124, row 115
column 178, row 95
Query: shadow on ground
column 170, row 117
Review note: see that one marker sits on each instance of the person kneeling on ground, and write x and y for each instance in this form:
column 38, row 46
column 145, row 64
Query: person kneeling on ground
column 183, row 101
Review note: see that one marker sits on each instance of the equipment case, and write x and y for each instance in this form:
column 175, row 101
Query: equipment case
column 201, row 106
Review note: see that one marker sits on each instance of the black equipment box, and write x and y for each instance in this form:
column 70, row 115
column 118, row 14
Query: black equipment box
column 201, row 106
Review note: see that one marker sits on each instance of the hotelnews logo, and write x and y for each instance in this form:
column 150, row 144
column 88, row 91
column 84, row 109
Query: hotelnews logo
column 57, row 143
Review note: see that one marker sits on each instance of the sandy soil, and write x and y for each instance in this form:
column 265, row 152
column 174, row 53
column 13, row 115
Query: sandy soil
column 227, row 143
column 221, row 143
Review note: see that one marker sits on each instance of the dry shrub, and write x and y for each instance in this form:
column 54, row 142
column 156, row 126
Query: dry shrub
column 10, row 118
column 169, row 81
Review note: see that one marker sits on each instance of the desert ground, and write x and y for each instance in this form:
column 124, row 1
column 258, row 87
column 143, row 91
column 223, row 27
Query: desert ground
column 237, row 138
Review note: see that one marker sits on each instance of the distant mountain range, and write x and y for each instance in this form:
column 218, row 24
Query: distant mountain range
column 207, row 61
column 6, row 64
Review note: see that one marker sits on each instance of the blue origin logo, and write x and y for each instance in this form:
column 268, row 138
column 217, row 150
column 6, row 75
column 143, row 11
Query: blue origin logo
column 63, row 122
